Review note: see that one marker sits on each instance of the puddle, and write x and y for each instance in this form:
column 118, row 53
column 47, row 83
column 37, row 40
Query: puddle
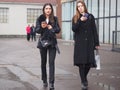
column 96, row 74
column 102, row 74
column 105, row 86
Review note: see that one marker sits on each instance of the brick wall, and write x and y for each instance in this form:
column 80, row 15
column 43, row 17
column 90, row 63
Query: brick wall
column 59, row 15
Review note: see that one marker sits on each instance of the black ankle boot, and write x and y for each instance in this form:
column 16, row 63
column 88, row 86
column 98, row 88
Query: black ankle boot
column 84, row 86
column 45, row 84
column 51, row 86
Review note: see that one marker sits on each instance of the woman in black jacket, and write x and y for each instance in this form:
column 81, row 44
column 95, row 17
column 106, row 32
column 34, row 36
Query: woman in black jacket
column 86, row 41
column 47, row 25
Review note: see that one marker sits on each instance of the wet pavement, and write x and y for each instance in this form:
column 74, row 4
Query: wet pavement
column 20, row 67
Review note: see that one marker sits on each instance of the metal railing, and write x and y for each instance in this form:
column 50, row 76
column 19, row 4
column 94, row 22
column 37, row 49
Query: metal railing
column 116, row 41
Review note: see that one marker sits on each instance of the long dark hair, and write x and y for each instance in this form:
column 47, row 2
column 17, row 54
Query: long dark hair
column 77, row 15
column 52, row 12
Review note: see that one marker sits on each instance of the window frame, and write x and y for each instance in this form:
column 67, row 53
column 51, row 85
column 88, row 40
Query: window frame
column 4, row 14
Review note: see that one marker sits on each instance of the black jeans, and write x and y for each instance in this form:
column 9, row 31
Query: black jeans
column 28, row 36
column 52, row 55
column 84, row 70
column 33, row 36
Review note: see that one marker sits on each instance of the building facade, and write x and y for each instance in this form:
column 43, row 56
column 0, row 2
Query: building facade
column 106, row 12
column 15, row 15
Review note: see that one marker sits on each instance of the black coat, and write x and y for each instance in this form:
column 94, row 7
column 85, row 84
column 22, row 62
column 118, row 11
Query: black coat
column 86, row 38
column 32, row 32
column 45, row 33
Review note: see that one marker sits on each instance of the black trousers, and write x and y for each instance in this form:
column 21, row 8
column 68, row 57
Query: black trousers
column 52, row 55
column 28, row 36
column 84, row 70
column 33, row 36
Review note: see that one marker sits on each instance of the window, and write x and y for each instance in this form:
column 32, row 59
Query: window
column 32, row 14
column 3, row 15
column 67, row 14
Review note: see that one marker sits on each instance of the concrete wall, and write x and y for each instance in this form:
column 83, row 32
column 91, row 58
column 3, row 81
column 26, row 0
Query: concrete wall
column 62, row 1
column 17, row 19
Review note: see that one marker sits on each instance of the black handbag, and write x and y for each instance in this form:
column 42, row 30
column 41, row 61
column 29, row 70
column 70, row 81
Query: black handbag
column 43, row 43
column 46, row 39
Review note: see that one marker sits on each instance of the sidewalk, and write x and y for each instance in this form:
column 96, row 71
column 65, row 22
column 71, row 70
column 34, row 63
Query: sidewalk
column 20, row 67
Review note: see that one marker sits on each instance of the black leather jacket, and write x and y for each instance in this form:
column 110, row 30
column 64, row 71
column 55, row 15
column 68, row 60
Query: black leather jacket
column 45, row 33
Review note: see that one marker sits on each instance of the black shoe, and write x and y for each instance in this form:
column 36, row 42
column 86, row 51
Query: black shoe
column 84, row 86
column 45, row 84
column 51, row 86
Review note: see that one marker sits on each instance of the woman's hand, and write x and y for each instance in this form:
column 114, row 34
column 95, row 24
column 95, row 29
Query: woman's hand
column 83, row 18
column 97, row 47
column 49, row 27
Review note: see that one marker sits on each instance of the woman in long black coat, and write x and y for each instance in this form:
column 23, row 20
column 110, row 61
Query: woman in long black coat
column 86, row 41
